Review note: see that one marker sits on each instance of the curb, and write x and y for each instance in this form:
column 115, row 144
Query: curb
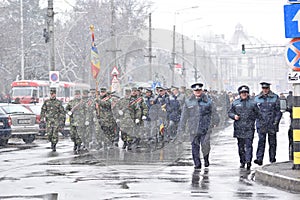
column 280, row 175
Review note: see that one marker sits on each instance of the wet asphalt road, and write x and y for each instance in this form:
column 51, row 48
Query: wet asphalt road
column 34, row 172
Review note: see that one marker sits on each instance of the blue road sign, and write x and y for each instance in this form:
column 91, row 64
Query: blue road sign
column 292, row 20
column 293, row 54
column 155, row 85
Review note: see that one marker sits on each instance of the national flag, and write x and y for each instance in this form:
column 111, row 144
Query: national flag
column 95, row 61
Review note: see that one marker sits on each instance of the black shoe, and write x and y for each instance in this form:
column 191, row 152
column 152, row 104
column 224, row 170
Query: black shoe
column 248, row 166
column 75, row 147
column 53, row 147
column 258, row 162
column 124, row 145
column 272, row 160
column 206, row 163
column 242, row 165
column 197, row 167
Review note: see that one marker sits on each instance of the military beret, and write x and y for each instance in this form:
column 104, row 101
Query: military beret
column 85, row 92
column 103, row 89
column 140, row 88
column 92, row 90
column 77, row 92
column 197, row 86
column 265, row 84
column 127, row 91
column 53, row 90
column 134, row 88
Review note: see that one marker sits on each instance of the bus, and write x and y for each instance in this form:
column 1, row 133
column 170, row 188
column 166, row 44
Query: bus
column 37, row 91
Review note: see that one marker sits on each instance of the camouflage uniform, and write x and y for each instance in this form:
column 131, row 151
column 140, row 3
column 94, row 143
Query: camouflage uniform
column 105, row 115
column 76, row 123
column 93, row 132
column 124, row 121
column 53, row 113
column 138, row 112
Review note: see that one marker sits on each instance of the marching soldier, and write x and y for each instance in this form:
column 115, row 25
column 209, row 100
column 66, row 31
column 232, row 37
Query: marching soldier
column 75, row 111
column 53, row 113
column 105, row 115
column 138, row 113
column 122, row 115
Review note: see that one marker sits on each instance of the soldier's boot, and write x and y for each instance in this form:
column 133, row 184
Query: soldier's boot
column 206, row 161
column 124, row 145
column 53, row 147
column 75, row 147
column 78, row 148
column 129, row 145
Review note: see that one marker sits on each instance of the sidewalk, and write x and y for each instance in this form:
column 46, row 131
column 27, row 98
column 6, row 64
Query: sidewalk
column 279, row 175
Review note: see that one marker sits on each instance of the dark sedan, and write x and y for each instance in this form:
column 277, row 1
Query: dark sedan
column 5, row 128
column 22, row 121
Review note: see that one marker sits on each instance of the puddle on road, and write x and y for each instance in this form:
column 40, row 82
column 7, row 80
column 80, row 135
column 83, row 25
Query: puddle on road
column 51, row 196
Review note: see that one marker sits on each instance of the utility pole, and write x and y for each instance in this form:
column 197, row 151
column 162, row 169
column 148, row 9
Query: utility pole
column 50, row 26
column 22, row 41
column 173, row 56
column 114, row 49
column 150, row 56
column 195, row 62
column 183, row 63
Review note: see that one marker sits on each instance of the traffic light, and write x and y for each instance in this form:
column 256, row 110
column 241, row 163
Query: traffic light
column 243, row 49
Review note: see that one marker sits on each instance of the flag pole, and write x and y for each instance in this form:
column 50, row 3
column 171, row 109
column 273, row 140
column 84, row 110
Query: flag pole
column 92, row 28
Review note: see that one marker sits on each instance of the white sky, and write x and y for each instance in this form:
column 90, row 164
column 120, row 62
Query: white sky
column 263, row 19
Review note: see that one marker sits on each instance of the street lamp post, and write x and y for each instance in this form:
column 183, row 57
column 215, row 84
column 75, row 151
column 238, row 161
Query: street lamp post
column 182, row 43
column 172, row 64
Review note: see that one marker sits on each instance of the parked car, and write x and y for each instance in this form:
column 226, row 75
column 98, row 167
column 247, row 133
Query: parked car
column 36, row 109
column 5, row 128
column 23, row 121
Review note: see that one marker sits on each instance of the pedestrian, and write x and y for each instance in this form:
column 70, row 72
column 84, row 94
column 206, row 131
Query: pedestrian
column 289, row 108
column 195, row 119
column 53, row 113
column 268, row 123
column 75, row 111
column 244, row 112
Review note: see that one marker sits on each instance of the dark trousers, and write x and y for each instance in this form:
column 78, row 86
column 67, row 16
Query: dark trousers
column 204, row 141
column 245, row 149
column 291, row 144
column 272, row 140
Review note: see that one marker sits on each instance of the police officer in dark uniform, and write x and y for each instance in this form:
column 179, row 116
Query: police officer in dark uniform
column 244, row 112
column 196, row 117
column 267, row 125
